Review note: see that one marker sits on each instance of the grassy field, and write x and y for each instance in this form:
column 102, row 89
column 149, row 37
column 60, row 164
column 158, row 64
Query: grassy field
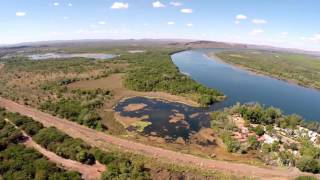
column 298, row 68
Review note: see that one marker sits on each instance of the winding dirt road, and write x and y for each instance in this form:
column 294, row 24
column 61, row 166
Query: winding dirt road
column 89, row 172
column 103, row 141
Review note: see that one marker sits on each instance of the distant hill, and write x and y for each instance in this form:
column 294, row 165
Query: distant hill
column 132, row 43
column 213, row 44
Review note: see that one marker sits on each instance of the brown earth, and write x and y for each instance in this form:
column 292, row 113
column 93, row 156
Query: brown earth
column 134, row 107
column 103, row 141
column 89, row 172
column 177, row 117
column 128, row 121
column 204, row 137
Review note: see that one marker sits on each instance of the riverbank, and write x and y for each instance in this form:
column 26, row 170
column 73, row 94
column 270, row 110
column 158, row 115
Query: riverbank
column 229, row 59
column 244, row 86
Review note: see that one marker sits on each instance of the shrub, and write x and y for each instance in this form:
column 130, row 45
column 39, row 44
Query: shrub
column 308, row 164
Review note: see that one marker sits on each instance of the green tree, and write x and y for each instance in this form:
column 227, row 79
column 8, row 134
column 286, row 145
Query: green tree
column 308, row 164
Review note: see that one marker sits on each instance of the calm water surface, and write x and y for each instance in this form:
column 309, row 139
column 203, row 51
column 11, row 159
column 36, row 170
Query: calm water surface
column 160, row 112
column 63, row 55
column 243, row 86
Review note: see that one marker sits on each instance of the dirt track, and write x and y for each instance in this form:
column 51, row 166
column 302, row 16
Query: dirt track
column 102, row 140
column 88, row 172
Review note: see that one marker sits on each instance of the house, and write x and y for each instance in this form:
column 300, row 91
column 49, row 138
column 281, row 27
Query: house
column 269, row 139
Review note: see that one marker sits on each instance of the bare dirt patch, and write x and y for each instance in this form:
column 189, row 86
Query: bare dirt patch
column 134, row 107
column 204, row 137
column 177, row 117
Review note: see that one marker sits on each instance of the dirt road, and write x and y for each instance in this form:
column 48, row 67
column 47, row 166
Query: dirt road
column 103, row 141
column 89, row 172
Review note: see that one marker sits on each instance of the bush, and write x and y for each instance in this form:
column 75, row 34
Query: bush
column 19, row 162
column 230, row 142
column 253, row 142
column 259, row 130
column 308, row 164
column 125, row 169
column 306, row 178
column 65, row 146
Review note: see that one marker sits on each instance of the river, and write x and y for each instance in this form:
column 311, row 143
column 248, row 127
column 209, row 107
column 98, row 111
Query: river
column 246, row 87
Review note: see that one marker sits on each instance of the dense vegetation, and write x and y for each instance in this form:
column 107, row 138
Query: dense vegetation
column 79, row 107
column 53, row 139
column 303, row 69
column 19, row 162
column 154, row 71
column 119, row 166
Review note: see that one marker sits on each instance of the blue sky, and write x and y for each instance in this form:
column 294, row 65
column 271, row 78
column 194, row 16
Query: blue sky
column 287, row 23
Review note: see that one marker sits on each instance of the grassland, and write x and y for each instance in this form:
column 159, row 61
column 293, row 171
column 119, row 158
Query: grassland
column 297, row 68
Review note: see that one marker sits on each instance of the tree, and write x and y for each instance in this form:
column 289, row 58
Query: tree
column 308, row 164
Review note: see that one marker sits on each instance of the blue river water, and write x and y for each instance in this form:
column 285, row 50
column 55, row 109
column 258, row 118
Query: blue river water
column 246, row 87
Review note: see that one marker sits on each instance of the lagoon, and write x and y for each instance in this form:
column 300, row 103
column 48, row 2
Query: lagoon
column 63, row 55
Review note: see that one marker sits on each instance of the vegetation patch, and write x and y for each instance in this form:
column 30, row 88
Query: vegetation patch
column 119, row 166
column 20, row 162
column 80, row 107
column 300, row 68
column 155, row 71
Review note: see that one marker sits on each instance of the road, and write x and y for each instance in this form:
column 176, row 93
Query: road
column 103, row 141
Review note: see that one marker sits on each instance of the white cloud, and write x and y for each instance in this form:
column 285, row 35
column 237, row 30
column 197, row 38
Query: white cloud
column 69, row 4
column 284, row 34
column 66, row 18
column 120, row 5
column 190, row 25
column 259, row 21
column 187, row 11
column 158, row 4
column 102, row 22
column 316, row 38
column 237, row 22
column 241, row 17
column 20, row 14
column 93, row 26
column 311, row 39
column 171, row 23
column 56, row 4
column 176, row 4
column 256, row 32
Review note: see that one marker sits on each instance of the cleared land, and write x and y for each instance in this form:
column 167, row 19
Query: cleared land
column 88, row 172
column 297, row 68
column 103, row 141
